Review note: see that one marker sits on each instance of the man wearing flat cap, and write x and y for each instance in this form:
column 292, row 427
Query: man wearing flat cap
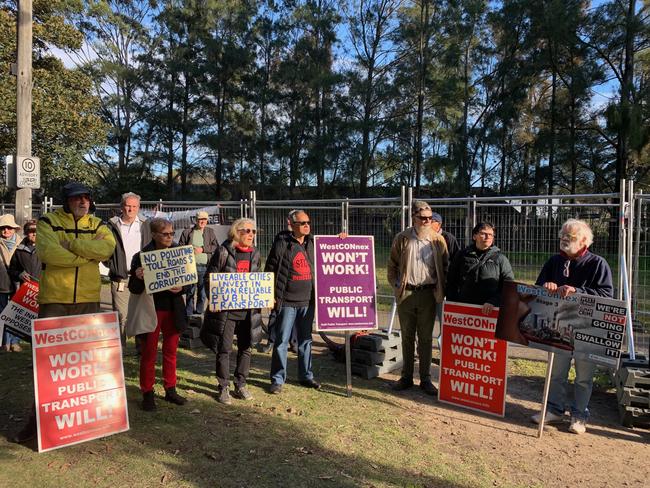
column 8, row 242
column 71, row 244
column 417, row 269
column 450, row 239
column 204, row 241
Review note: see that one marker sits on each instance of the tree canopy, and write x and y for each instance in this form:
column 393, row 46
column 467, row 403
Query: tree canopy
column 190, row 99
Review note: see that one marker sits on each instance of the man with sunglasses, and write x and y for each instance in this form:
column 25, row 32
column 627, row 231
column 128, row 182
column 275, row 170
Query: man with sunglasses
column 292, row 260
column 417, row 269
column 204, row 240
column 574, row 270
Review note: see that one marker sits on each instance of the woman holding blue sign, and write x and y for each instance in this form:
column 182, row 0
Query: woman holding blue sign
column 149, row 315
column 236, row 255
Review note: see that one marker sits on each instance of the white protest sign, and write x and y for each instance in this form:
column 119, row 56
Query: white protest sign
column 240, row 291
column 169, row 268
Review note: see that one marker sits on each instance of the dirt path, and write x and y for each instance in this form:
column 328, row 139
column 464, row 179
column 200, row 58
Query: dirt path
column 607, row 455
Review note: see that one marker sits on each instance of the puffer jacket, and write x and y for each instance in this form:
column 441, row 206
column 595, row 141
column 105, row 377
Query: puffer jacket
column 477, row 277
column 224, row 261
column 71, row 276
column 278, row 262
column 399, row 264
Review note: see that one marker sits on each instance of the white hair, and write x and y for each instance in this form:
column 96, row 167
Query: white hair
column 582, row 229
column 127, row 195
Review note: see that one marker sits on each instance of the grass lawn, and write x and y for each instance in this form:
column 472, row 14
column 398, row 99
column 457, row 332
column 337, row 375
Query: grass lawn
column 299, row 438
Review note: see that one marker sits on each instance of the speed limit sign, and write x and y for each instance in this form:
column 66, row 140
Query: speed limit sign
column 28, row 172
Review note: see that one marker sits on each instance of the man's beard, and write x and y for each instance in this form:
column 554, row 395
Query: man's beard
column 571, row 248
column 77, row 213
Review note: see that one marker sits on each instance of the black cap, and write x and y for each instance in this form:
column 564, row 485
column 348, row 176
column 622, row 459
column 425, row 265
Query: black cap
column 74, row 189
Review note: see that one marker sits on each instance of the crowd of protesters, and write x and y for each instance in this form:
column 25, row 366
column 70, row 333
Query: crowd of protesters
column 426, row 266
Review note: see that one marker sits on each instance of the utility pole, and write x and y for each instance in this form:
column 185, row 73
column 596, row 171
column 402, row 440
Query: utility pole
column 24, row 103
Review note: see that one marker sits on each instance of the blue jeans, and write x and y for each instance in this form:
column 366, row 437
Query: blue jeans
column 289, row 317
column 192, row 290
column 557, row 395
column 7, row 338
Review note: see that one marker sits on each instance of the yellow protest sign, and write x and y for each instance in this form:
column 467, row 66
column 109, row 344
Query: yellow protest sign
column 240, row 291
column 168, row 268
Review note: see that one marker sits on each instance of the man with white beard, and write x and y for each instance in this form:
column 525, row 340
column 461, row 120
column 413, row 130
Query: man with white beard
column 574, row 270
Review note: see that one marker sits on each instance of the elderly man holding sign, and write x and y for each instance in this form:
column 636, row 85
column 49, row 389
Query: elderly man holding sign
column 150, row 314
column 230, row 312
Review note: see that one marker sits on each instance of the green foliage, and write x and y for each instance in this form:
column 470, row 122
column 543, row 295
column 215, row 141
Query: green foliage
column 323, row 98
column 65, row 118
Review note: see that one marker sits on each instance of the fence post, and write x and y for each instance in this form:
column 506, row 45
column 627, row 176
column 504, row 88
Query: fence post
column 630, row 234
column 622, row 235
column 637, row 247
column 471, row 218
column 409, row 217
column 345, row 215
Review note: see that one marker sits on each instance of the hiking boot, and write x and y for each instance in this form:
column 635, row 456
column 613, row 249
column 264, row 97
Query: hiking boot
column 578, row 426
column 223, row 396
column 402, row 384
column 16, row 348
column 551, row 418
column 428, row 387
column 148, row 401
column 275, row 389
column 310, row 383
column 6, row 348
column 172, row 397
column 242, row 393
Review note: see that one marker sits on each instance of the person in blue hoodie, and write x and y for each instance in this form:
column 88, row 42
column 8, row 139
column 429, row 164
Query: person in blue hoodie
column 574, row 270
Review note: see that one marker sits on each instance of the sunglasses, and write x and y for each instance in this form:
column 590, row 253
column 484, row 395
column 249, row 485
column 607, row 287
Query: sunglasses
column 165, row 234
column 31, row 231
column 426, row 218
column 5, row 227
column 304, row 222
column 248, row 231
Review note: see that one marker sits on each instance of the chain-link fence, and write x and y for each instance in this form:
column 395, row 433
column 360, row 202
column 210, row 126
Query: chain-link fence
column 527, row 229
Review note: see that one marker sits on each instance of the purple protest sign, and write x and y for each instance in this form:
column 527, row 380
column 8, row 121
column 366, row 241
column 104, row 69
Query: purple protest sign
column 346, row 296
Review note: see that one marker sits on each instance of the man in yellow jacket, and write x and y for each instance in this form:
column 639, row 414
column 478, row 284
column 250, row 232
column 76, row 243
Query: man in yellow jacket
column 71, row 244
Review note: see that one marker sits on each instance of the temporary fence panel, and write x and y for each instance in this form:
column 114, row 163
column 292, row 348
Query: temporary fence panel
column 641, row 275
column 526, row 229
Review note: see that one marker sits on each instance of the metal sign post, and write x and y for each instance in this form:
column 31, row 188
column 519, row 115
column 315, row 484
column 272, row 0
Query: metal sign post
column 547, row 387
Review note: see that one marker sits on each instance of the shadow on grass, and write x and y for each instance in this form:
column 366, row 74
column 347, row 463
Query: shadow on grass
column 262, row 443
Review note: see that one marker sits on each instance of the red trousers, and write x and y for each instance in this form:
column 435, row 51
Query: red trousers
column 149, row 352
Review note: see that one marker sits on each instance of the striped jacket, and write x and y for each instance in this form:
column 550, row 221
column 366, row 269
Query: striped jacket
column 71, row 276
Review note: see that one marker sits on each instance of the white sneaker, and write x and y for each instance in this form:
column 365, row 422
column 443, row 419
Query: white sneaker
column 550, row 418
column 578, row 426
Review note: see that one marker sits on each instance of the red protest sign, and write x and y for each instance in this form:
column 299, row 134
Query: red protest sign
column 472, row 361
column 78, row 379
column 17, row 316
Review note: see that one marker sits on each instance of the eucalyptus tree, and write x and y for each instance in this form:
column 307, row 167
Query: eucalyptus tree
column 372, row 26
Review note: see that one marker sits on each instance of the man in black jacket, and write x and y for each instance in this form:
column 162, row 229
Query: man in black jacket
column 292, row 260
column 477, row 273
column 452, row 243
column 132, row 234
column 204, row 241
